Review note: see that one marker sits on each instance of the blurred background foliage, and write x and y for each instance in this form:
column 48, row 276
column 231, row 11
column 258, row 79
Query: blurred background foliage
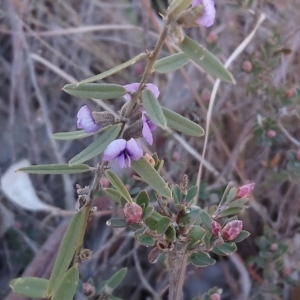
column 254, row 137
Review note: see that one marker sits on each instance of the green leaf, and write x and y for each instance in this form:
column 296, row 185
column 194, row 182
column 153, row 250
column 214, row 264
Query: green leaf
column 118, row 185
column 72, row 135
column 151, row 176
column 162, row 225
column 206, row 239
column 239, row 203
column 70, row 241
column 177, row 194
column 230, row 211
column 30, row 287
column 206, row 219
column 98, row 146
column 176, row 7
column 225, row 249
column 147, row 212
column 206, row 60
column 143, row 198
column 196, row 233
column 170, row 63
column 117, row 222
column 113, row 70
column 153, row 109
column 55, row 169
column 243, row 235
column 231, row 194
column 113, row 194
column 67, row 286
column 201, row 259
column 182, row 124
column 146, row 240
column 192, row 192
column 171, row 234
column 116, row 279
column 113, row 298
column 151, row 221
column 101, row 91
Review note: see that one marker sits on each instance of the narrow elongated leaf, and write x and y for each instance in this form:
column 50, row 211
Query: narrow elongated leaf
column 153, row 109
column 114, row 281
column 201, row 259
column 192, row 192
column 98, row 146
column 101, row 91
column 162, row 225
column 118, row 185
column 30, row 287
column 67, row 286
column 113, row 70
column 117, row 223
column 113, row 194
column 206, row 60
column 182, row 124
column 151, row 176
column 55, row 169
column 170, row 63
column 66, row 251
column 243, row 235
column 72, row 135
column 230, row 211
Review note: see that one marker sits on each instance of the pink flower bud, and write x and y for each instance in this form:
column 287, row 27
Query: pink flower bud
column 298, row 155
column 212, row 37
column 175, row 156
column 215, row 296
column 215, row 228
column 247, row 66
column 245, row 190
column 271, row 133
column 88, row 289
column 274, row 247
column 232, row 230
column 289, row 93
column 104, row 182
column 133, row 212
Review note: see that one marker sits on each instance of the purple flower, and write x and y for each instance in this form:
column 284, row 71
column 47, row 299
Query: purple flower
column 133, row 87
column 85, row 120
column 208, row 14
column 148, row 127
column 124, row 151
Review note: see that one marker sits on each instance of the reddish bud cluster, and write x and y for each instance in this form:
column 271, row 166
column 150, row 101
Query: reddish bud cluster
column 247, row 66
column 133, row 212
column 215, row 296
column 271, row 133
column 232, row 230
column 245, row 190
column 215, row 228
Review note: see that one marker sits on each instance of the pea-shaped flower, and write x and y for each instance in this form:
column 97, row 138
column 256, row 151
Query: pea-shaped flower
column 148, row 127
column 208, row 12
column 86, row 121
column 133, row 87
column 124, row 151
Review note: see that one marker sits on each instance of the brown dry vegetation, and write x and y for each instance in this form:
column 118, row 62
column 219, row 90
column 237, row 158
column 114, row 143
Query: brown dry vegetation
column 47, row 44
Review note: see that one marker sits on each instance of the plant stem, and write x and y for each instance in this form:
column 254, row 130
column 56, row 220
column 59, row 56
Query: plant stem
column 148, row 69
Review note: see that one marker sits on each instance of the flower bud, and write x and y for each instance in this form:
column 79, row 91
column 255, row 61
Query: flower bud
column 88, row 289
column 247, row 66
column 271, row 133
column 215, row 228
column 215, row 296
column 231, row 230
column 175, row 156
column 176, row 33
column 133, row 212
column 274, row 247
column 212, row 37
column 103, row 118
column 150, row 159
column 104, row 182
column 244, row 191
column 289, row 93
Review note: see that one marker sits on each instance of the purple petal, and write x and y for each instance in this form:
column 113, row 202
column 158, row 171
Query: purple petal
column 196, row 2
column 128, row 161
column 209, row 13
column 151, row 125
column 147, row 134
column 121, row 160
column 134, row 150
column 132, row 88
column 114, row 149
column 85, row 120
column 153, row 88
